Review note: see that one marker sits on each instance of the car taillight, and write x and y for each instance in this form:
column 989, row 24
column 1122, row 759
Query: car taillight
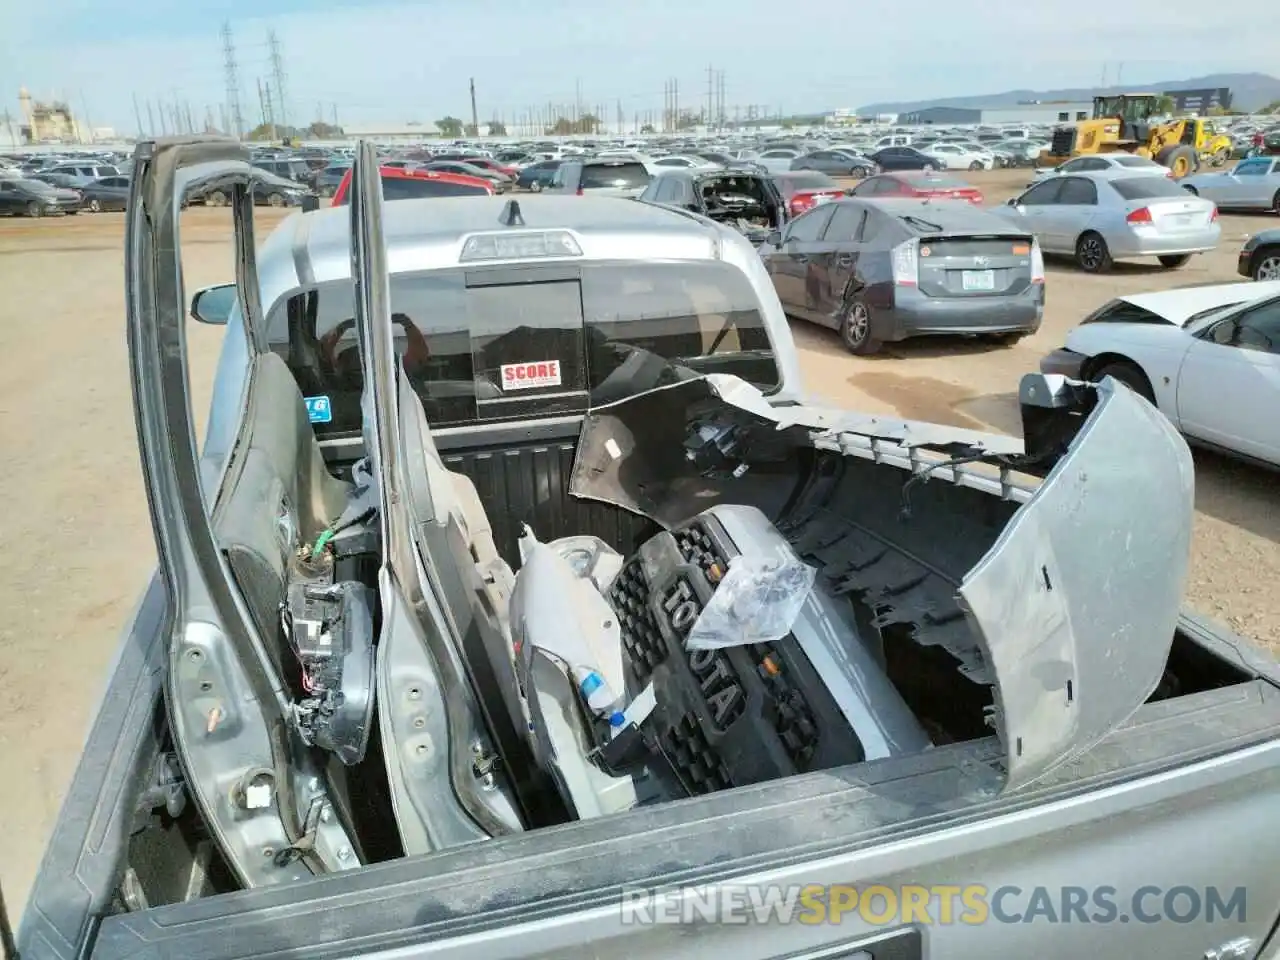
column 1213, row 217
column 906, row 263
column 1141, row 215
column 1037, row 262
column 976, row 197
column 580, row 193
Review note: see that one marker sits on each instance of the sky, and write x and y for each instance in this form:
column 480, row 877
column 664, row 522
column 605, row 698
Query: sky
column 398, row 62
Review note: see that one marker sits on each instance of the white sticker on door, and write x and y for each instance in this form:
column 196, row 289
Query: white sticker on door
column 526, row 376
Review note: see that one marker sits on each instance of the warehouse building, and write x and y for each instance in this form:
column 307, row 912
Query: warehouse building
column 1038, row 112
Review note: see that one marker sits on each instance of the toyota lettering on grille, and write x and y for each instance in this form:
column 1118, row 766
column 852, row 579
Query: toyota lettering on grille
column 716, row 677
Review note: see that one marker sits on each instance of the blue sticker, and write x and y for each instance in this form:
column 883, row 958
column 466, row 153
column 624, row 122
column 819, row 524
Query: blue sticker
column 318, row 409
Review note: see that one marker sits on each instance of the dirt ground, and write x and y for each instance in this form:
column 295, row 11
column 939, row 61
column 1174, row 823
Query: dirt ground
column 79, row 524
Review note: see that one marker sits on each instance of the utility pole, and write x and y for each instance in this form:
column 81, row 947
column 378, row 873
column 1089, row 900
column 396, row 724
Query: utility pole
column 577, row 103
column 264, row 103
column 84, row 105
column 277, row 73
column 232, row 78
column 475, row 117
column 675, row 102
column 137, row 115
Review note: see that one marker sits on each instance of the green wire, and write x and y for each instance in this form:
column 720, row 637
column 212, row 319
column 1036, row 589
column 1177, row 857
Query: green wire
column 321, row 542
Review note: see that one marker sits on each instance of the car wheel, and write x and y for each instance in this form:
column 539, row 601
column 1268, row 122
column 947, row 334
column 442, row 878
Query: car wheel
column 1275, row 203
column 1129, row 374
column 34, row 210
column 855, row 328
column 275, row 200
column 1266, row 264
column 976, row 165
column 93, row 206
column 1173, row 261
column 215, row 198
column 932, row 166
column 536, row 186
column 1092, row 254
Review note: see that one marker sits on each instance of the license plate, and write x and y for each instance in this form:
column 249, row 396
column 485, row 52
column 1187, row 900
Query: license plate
column 821, row 198
column 1181, row 219
column 978, row 280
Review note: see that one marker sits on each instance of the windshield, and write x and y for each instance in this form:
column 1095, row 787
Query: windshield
column 484, row 345
column 1148, row 188
column 1124, row 160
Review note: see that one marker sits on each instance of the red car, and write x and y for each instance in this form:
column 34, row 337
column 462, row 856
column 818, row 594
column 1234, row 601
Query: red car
column 805, row 189
column 923, row 184
column 400, row 183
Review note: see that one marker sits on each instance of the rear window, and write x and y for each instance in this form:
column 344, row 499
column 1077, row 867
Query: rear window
column 1147, row 188
column 500, row 343
column 618, row 175
column 414, row 188
column 1127, row 161
column 937, row 182
column 807, row 181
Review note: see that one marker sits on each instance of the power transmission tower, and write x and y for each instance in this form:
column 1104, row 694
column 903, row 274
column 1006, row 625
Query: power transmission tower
column 232, row 76
column 711, row 95
column 264, row 101
column 277, row 74
column 475, row 120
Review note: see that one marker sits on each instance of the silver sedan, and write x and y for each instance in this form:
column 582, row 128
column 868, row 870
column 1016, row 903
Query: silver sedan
column 1097, row 219
column 1253, row 184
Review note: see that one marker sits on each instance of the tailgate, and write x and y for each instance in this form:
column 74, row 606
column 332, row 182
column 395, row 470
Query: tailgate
column 974, row 266
column 1176, row 216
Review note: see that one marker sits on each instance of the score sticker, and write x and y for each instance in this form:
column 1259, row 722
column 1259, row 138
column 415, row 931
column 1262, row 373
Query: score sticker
column 527, row 376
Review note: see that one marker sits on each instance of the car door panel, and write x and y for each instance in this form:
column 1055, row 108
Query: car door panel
column 1229, row 383
column 832, row 265
column 1032, row 212
column 789, row 264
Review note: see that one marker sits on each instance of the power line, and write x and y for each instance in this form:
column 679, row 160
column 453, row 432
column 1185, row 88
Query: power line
column 232, row 78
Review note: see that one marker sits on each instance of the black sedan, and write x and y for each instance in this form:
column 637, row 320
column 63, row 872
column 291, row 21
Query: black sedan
column 328, row 179
column 836, row 163
column 538, row 175
column 108, row 193
column 885, row 270
column 31, row 198
column 904, row 158
column 1259, row 258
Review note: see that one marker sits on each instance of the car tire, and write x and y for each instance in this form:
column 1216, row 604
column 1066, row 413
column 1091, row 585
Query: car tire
column 93, row 206
column 34, row 210
column 935, row 168
column 1092, row 255
column 535, row 186
column 1130, row 374
column 976, row 165
column 855, row 328
column 275, row 199
column 1275, row 203
column 215, row 198
column 1266, row 264
column 1173, row 261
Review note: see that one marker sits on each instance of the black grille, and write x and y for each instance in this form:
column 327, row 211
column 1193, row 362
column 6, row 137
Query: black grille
column 1063, row 141
column 792, row 717
column 629, row 597
column 697, row 547
column 697, row 765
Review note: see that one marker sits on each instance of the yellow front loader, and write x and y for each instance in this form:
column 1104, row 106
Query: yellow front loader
column 1123, row 124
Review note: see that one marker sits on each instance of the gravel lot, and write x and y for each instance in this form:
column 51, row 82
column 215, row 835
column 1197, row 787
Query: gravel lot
column 78, row 515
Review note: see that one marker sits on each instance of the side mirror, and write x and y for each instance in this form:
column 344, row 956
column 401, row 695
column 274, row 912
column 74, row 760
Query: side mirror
column 310, row 203
column 774, row 239
column 213, row 305
column 1011, row 202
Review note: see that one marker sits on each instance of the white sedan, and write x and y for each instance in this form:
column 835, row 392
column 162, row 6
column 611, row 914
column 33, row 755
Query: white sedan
column 957, row 157
column 1207, row 357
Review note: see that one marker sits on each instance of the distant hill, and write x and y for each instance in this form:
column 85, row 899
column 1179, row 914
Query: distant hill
column 1250, row 91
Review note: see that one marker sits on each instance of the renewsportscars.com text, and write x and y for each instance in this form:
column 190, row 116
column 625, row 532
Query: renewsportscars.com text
column 940, row 904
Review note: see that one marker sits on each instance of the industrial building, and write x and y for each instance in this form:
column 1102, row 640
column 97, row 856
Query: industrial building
column 51, row 122
column 1037, row 112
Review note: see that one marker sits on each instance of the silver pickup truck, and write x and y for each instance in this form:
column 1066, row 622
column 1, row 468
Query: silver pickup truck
column 519, row 604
